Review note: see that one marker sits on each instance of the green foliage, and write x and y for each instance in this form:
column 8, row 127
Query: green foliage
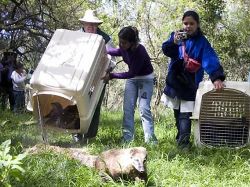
column 50, row 169
column 211, row 14
column 166, row 164
column 3, row 2
column 10, row 166
column 224, row 22
column 233, row 40
column 30, row 25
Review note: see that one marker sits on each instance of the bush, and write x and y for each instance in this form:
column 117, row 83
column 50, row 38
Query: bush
column 9, row 165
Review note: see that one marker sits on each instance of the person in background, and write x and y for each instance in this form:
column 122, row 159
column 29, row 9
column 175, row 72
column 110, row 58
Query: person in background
column 18, row 77
column 190, row 54
column 139, row 83
column 90, row 24
column 8, row 62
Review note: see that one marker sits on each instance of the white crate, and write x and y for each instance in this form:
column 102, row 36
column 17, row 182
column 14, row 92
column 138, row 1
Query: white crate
column 222, row 118
column 69, row 73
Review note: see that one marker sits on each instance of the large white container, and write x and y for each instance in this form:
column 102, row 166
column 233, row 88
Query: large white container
column 70, row 73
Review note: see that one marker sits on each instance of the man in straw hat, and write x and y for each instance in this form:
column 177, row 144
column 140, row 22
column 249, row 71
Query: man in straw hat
column 90, row 23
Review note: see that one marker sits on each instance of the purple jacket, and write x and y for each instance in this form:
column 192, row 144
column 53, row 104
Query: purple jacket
column 138, row 62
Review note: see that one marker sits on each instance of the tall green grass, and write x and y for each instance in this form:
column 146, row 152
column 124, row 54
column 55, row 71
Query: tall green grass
column 166, row 164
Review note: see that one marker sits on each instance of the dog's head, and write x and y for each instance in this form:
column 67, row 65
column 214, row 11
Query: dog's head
column 138, row 158
column 129, row 163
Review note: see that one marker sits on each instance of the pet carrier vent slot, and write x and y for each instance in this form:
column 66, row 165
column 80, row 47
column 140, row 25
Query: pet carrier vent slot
column 224, row 118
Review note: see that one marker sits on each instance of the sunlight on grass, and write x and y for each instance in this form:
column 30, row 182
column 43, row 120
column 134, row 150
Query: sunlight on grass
column 166, row 164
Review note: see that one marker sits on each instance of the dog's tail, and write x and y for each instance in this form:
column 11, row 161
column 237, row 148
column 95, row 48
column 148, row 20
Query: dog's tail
column 85, row 158
column 73, row 153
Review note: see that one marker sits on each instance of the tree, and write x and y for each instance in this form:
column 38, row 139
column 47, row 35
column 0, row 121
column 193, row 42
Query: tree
column 26, row 26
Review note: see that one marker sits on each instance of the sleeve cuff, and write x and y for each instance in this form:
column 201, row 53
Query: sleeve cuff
column 218, row 74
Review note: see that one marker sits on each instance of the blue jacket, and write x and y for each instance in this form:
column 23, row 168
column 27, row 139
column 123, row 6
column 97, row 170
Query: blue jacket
column 198, row 48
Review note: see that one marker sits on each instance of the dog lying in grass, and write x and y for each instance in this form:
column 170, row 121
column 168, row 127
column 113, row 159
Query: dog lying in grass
column 128, row 164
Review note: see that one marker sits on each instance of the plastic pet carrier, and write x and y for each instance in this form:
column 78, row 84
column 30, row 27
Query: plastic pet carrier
column 222, row 118
column 66, row 85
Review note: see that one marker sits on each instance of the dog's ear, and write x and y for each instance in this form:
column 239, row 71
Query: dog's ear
column 138, row 151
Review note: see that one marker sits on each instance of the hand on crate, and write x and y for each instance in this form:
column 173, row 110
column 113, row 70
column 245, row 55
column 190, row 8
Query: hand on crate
column 218, row 84
column 106, row 78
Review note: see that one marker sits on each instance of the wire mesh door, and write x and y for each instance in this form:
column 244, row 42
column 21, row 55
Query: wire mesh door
column 225, row 118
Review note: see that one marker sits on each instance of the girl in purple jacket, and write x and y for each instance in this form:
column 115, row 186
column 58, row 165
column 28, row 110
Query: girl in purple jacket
column 139, row 83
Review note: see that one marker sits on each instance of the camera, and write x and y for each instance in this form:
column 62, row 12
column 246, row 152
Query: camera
column 31, row 71
column 183, row 35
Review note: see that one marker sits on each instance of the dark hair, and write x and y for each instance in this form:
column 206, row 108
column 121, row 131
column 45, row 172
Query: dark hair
column 195, row 16
column 18, row 66
column 9, row 58
column 129, row 34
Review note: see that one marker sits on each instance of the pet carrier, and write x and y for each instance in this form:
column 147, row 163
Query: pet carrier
column 66, row 85
column 222, row 118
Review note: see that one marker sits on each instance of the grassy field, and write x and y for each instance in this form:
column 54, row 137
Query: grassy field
column 166, row 164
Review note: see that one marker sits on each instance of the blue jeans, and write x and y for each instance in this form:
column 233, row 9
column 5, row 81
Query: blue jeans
column 141, row 89
column 183, row 124
column 19, row 101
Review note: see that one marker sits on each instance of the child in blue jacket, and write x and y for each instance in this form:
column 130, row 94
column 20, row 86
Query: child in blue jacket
column 190, row 54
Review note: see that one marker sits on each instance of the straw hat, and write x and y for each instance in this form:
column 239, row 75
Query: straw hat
column 90, row 17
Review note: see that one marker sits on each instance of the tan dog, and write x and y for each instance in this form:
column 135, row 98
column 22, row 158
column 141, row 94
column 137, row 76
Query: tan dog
column 129, row 163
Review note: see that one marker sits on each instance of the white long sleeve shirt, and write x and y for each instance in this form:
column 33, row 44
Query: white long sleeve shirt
column 18, row 81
